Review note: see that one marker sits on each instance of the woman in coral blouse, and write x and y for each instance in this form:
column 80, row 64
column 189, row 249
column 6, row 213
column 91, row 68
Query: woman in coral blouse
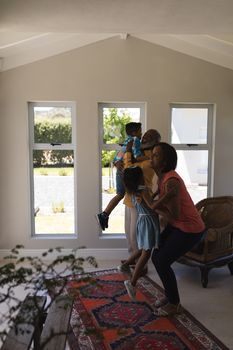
column 184, row 229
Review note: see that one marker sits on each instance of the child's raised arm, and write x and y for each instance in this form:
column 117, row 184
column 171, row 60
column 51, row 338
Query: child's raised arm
column 168, row 204
column 148, row 199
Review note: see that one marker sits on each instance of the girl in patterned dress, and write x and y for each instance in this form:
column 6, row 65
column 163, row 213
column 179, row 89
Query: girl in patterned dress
column 147, row 228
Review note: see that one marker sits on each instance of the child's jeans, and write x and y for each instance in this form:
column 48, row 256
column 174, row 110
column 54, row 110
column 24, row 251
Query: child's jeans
column 120, row 188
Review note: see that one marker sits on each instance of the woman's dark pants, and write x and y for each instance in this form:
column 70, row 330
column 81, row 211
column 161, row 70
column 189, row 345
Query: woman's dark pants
column 173, row 244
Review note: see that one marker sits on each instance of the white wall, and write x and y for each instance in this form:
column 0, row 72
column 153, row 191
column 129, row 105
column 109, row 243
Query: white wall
column 111, row 70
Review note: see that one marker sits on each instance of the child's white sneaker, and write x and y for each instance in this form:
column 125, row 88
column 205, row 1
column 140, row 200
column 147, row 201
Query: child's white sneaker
column 131, row 290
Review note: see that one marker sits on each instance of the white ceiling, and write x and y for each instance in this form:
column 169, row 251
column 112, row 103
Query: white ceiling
column 34, row 29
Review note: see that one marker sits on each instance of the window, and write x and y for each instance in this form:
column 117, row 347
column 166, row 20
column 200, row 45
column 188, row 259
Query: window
column 191, row 135
column 113, row 118
column 52, row 168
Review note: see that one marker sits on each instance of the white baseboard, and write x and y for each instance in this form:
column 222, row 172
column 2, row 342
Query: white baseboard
column 99, row 254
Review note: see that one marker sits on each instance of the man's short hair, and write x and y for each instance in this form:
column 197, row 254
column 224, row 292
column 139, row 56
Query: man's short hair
column 153, row 138
column 132, row 127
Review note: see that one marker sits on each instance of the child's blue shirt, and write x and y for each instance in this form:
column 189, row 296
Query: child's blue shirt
column 136, row 149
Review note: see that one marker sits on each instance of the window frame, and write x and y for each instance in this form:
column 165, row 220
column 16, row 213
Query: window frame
column 208, row 146
column 41, row 146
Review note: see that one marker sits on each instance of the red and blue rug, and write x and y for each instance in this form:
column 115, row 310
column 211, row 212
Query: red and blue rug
column 104, row 318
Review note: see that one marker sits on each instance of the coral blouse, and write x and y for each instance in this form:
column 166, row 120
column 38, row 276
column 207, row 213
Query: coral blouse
column 190, row 219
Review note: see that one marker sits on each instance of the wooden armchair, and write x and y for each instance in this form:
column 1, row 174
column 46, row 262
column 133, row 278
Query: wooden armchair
column 216, row 248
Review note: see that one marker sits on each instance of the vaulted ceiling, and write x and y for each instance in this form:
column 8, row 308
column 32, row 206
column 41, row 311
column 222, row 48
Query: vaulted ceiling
column 34, row 29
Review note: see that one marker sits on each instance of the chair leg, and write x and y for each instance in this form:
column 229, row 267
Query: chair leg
column 204, row 276
column 230, row 265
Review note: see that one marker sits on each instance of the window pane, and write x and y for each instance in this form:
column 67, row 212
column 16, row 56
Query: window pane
column 114, row 120
column 53, row 191
column 189, row 125
column 52, row 125
column 116, row 219
column 193, row 168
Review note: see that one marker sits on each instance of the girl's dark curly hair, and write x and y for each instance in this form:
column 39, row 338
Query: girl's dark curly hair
column 132, row 178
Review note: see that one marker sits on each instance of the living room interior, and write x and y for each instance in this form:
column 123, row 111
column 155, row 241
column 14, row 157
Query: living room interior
column 158, row 54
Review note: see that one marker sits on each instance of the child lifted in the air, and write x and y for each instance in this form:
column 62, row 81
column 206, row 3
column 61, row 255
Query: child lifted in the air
column 134, row 133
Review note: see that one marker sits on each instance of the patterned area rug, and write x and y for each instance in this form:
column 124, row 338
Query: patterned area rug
column 104, row 318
